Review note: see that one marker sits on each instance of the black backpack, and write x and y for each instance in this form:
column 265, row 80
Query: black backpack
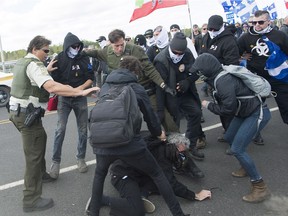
column 114, row 118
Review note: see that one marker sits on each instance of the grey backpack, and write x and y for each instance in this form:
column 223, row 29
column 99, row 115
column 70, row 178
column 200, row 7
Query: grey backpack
column 114, row 118
column 259, row 85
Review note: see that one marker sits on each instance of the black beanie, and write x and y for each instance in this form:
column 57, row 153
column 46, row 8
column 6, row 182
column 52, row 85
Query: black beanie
column 140, row 40
column 179, row 42
column 215, row 22
column 174, row 26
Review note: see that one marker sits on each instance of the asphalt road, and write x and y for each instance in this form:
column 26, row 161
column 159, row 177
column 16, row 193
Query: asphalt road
column 71, row 191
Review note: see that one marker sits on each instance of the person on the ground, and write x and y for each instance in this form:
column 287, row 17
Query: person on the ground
column 135, row 187
column 30, row 91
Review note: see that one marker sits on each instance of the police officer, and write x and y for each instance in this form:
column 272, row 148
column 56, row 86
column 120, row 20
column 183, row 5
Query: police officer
column 29, row 94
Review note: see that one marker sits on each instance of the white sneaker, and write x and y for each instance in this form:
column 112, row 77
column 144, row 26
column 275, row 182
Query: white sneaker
column 148, row 205
column 54, row 170
column 82, row 166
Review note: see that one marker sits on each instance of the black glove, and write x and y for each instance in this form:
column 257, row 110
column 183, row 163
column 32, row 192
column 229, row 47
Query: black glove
column 160, row 114
column 184, row 85
column 170, row 91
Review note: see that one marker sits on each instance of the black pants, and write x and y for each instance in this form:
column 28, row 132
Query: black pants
column 143, row 161
column 130, row 203
column 281, row 89
column 189, row 106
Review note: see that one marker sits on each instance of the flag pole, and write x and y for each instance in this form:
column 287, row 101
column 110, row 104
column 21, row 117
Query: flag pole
column 2, row 56
column 187, row 2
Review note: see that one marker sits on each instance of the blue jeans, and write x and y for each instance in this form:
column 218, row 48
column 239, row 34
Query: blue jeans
column 79, row 106
column 143, row 161
column 240, row 134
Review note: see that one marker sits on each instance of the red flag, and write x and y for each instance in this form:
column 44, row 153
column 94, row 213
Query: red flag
column 145, row 7
column 286, row 3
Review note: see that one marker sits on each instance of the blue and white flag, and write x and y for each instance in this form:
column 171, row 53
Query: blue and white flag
column 276, row 64
column 242, row 8
column 271, row 8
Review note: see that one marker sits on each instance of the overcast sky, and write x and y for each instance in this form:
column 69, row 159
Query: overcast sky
column 21, row 20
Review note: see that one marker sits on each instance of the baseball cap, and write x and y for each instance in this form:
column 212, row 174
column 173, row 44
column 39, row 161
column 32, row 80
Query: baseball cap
column 101, row 38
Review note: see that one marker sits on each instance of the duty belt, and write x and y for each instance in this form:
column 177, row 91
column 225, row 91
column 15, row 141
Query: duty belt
column 17, row 108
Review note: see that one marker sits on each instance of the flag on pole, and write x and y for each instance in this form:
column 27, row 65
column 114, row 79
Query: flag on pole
column 242, row 8
column 145, row 7
column 286, row 3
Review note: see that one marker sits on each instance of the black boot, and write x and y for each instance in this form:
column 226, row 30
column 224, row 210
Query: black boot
column 195, row 154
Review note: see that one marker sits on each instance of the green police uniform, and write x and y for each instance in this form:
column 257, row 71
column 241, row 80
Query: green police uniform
column 29, row 76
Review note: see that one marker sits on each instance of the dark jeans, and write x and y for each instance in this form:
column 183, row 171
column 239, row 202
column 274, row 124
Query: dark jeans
column 65, row 106
column 143, row 161
column 192, row 111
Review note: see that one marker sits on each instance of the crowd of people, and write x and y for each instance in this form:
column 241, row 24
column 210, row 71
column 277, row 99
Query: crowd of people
column 162, row 68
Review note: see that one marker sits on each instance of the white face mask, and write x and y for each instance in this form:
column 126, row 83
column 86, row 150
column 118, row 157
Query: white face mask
column 264, row 31
column 214, row 34
column 173, row 33
column 175, row 58
column 162, row 39
column 150, row 41
column 102, row 44
column 72, row 52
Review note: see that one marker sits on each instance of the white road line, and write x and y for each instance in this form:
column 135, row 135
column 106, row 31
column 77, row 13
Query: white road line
column 74, row 167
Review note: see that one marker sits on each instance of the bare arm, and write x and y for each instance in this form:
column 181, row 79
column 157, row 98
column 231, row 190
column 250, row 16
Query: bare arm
column 65, row 90
column 85, row 85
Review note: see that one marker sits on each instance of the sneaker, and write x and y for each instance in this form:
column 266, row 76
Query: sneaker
column 201, row 143
column 47, row 178
column 258, row 140
column 148, row 205
column 40, row 205
column 54, row 170
column 194, row 153
column 82, row 166
column 240, row 173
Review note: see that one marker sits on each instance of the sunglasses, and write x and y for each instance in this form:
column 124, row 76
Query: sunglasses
column 75, row 46
column 204, row 28
column 148, row 37
column 177, row 53
column 45, row 50
column 212, row 29
column 261, row 22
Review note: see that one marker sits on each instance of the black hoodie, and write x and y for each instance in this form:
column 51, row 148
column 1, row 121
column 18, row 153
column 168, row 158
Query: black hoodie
column 72, row 71
column 228, row 88
column 223, row 47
